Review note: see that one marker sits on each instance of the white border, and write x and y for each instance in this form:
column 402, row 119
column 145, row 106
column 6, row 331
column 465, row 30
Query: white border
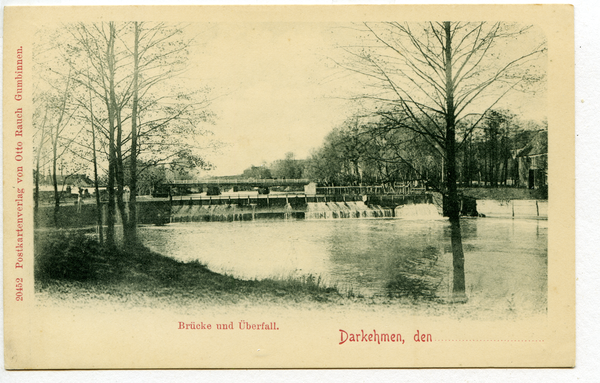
column 587, row 67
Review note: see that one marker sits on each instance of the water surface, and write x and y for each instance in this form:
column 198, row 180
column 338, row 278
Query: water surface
column 505, row 259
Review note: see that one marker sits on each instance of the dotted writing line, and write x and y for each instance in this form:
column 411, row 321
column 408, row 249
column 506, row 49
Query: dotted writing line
column 487, row 340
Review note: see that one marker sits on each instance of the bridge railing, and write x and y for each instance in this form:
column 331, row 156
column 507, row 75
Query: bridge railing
column 242, row 181
column 389, row 189
column 276, row 200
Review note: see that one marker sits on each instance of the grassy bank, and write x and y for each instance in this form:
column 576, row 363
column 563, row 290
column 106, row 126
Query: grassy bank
column 70, row 265
column 74, row 263
column 504, row 193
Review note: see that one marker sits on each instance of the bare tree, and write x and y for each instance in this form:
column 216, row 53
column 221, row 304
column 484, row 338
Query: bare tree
column 436, row 74
column 131, row 229
column 40, row 139
column 92, row 122
column 60, row 108
column 124, row 73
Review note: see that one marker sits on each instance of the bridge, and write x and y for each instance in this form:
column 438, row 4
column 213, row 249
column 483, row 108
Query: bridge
column 229, row 182
column 310, row 188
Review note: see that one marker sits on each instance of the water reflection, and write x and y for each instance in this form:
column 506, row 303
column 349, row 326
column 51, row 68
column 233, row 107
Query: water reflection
column 504, row 258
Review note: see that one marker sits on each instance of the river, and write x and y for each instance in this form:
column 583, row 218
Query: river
column 505, row 259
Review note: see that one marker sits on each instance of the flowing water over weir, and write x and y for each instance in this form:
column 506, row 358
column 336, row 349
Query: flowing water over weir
column 354, row 209
column 418, row 211
column 197, row 213
column 311, row 211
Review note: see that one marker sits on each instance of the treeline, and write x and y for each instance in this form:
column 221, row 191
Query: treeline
column 289, row 167
column 384, row 148
column 380, row 149
column 109, row 103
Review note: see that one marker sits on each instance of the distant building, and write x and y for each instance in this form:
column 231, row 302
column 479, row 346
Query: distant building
column 79, row 180
column 532, row 161
column 68, row 186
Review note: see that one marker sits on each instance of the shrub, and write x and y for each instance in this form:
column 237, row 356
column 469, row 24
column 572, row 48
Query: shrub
column 69, row 256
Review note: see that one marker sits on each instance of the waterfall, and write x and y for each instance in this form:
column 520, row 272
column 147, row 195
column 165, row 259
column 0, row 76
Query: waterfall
column 314, row 210
column 418, row 211
column 335, row 210
column 198, row 213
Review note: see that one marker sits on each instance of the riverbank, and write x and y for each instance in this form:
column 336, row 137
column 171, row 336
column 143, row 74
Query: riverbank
column 72, row 265
column 74, row 271
column 505, row 194
column 75, row 264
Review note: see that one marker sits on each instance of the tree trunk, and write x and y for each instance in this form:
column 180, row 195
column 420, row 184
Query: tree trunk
column 55, row 185
column 36, row 196
column 132, row 231
column 110, row 214
column 95, row 162
column 505, row 170
column 55, row 137
column 97, row 192
column 453, row 210
column 36, row 192
column 120, row 174
column 119, row 169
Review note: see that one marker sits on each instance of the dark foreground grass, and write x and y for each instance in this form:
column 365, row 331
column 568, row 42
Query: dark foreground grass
column 74, row 263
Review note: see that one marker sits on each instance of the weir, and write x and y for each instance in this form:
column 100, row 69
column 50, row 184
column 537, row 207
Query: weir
column 354, row 209
column 233, row 212
column 244, row 208
column 287, row 206
column 418, row 211
column 312, row 210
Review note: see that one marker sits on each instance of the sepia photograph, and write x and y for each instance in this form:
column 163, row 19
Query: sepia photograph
column 262, row 178
column 347, row 167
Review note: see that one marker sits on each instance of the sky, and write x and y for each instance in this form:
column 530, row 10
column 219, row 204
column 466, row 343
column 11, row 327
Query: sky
column 276, row 88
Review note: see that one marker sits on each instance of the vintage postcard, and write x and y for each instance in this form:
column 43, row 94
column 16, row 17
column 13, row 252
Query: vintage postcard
column 288, row 187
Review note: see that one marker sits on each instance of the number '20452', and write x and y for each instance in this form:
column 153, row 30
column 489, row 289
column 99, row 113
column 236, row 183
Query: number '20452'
column 19, row 289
